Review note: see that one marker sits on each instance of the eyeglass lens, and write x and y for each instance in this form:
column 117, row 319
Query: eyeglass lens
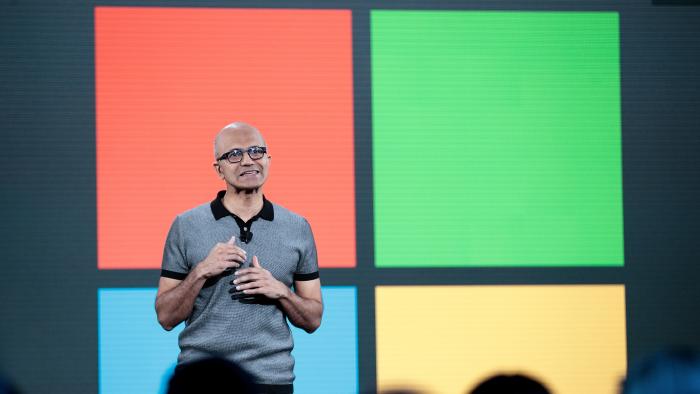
column 236, row 155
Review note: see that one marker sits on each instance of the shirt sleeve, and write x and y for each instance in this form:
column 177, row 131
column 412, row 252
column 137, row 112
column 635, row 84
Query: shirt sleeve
column 175, row 263
column 307, row 268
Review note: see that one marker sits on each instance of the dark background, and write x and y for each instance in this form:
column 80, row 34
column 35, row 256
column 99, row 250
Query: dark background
column 48, row 244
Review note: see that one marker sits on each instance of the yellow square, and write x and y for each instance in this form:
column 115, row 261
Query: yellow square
column 445, row 339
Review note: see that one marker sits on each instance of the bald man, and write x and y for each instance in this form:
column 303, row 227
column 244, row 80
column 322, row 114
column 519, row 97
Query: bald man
column 236, row 268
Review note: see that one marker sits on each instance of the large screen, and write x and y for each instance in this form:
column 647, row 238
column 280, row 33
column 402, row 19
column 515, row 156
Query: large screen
column 491, row 187
column 495, row 142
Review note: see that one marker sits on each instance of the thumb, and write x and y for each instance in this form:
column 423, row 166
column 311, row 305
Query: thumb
column 256, row 263
column 232, row 241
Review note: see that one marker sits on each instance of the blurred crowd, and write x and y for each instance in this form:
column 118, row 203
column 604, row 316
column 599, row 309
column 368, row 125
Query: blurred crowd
column 672, row 371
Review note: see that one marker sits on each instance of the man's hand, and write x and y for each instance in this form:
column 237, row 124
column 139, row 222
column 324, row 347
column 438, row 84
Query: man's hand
column 221, row 257
column 303, row 306
column 258, row 280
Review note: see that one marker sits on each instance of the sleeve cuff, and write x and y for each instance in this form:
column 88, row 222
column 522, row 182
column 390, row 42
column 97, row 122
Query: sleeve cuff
column 309, row 276
column 173, row 275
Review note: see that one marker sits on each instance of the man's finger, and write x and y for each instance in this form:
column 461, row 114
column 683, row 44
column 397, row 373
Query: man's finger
column 232, row 264
column 235, row 252
column 246, row 279
column 234, row 257
column 232, row 241
column 229, row 248
column 256, row 263
column 246, row 286
column 248, row 270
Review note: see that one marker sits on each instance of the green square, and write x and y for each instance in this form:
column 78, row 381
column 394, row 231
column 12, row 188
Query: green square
column 496, row 139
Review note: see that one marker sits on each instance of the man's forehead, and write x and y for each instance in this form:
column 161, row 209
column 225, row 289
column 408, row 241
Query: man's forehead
column 238, row 137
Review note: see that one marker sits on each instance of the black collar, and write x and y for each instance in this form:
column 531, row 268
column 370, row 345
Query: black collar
column 219, row 210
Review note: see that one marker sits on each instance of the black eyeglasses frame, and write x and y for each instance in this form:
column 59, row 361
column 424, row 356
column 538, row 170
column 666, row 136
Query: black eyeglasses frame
column 227, row 155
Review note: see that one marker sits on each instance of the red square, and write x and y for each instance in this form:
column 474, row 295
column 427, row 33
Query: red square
column 168, row 79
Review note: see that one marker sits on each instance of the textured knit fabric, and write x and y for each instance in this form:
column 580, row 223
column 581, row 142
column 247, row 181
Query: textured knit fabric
column 252, row 332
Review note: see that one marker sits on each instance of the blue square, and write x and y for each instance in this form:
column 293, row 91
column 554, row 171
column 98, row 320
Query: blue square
column 326, row 361
column 137, row 356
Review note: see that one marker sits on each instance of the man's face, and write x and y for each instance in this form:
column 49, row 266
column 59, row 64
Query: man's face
column 247, row 174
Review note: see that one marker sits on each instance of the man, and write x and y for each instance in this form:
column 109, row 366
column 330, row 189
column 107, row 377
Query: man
column 229, row 265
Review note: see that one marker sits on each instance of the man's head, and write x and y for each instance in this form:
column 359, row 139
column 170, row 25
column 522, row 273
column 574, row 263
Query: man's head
column 210, row 375
column 675, row 370
column 238, row 159
column 510, row 384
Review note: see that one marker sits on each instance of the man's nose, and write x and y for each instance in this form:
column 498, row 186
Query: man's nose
column 246, row 160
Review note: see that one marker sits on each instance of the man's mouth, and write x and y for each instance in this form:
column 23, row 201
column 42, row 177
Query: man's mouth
column 250, row 172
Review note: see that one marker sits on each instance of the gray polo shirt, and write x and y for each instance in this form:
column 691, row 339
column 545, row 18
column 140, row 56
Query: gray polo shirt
column 250, row 331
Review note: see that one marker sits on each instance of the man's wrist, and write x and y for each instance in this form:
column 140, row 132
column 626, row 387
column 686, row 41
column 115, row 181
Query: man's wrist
column 199, row 272
column 287, row 294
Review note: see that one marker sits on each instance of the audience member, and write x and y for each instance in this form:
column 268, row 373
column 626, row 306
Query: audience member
column 6, row 387
column 673, row 371
column 210, row 375
column 510, row 384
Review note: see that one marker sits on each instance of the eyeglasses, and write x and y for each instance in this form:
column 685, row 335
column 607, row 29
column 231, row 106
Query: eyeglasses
column 236, row 155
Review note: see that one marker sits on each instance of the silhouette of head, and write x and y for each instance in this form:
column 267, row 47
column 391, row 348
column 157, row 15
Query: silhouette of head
column 510, row 384
column 673, row 371
column 210, row 375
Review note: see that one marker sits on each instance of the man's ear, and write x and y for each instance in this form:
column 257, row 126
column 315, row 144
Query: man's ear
column 217, row 168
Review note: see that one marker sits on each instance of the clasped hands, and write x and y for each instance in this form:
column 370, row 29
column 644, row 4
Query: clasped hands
column 252, row 280
column 257, row 280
